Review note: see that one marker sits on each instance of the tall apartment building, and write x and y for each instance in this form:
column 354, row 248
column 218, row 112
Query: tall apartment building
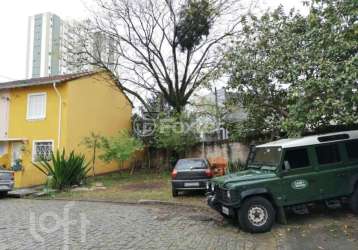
column 49, row 38
column 45, row 32
column 103, row 48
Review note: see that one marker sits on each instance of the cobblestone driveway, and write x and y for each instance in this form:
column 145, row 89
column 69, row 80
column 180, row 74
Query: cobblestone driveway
column 34, row 224
column 23, row 225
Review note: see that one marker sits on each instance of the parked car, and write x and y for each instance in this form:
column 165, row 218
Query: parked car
column 289, row 173
column 6, row 181
column 191, row 174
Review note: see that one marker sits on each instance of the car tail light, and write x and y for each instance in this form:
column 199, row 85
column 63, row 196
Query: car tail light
column 174, row 173
column 209, row 173
column 12, row 176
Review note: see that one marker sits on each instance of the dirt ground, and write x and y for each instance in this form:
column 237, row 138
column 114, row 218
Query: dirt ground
column 322, row 228
column 141, row 186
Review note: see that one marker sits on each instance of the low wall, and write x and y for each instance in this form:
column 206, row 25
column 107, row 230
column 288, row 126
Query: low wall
column 230, row 151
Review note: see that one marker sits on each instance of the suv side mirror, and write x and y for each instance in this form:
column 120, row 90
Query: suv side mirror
column 287, row 166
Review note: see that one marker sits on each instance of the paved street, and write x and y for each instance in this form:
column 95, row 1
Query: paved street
column 112, row 226
column 32, row 224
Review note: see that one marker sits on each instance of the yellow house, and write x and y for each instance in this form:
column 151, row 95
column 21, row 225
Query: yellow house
column 46, row 114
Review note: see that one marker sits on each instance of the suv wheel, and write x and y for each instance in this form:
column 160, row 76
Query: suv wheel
column 354, row 201
column 174, row 192
column 256, row 215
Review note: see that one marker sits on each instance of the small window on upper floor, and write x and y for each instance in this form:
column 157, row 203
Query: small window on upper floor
column 352, row 149
column 36, row 106
column 327, row 154
column 297, row 158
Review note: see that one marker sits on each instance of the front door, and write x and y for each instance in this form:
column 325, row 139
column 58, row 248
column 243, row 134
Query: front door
column 4, row 114
column 300, row 179
column 16, row 152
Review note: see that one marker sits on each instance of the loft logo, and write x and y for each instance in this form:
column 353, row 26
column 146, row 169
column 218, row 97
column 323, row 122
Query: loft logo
column 49, row 223
column 299, row 184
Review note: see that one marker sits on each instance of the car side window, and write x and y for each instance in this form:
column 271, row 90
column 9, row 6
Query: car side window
column 327, row 154
column 297, row 158
column 352, row 149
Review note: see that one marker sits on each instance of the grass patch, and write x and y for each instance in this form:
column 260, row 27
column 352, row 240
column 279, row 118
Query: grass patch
column 142, row 185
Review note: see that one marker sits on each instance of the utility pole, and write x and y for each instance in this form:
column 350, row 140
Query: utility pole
column 217, row 118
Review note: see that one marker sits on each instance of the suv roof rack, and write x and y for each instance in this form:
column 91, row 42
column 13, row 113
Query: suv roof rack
column 312, row 140
column 333, row 137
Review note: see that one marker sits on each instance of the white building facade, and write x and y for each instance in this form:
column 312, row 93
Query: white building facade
column 44, row 42
column 48, row 43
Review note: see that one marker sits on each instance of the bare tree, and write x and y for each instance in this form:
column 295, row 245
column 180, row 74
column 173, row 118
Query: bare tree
column 149, row 48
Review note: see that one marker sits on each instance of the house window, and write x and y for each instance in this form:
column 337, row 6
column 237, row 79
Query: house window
column 36, row 106
column 42, row 150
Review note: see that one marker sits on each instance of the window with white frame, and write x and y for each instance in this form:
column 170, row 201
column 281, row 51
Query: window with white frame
column 36, row 106
column 42, row 150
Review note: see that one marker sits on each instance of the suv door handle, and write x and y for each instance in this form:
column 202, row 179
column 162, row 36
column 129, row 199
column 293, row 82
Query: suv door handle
column 342, row 174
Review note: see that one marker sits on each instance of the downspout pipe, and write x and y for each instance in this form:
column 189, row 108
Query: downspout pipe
column 59, row 115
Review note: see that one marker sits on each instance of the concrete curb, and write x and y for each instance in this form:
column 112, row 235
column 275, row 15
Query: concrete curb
column 140, row 202
column 169, row 203
column 21, row 193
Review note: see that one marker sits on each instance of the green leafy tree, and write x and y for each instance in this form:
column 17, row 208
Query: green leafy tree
column 120, row 148
column 93, row 143
column 295, row 74
column 325, row 89
column 257, row 65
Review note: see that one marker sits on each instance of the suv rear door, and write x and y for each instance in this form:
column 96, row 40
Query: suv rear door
column 300, row 178
column 333, row 172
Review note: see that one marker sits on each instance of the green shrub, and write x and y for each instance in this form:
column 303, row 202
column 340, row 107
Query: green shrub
column 120, row 148
column 64, row 171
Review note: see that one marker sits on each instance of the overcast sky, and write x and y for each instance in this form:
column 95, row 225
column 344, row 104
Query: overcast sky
column 13, row 27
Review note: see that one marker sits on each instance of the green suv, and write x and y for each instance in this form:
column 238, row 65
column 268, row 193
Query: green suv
column 289, row 173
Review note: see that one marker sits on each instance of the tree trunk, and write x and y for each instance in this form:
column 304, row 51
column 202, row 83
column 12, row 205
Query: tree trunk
column 94, row 159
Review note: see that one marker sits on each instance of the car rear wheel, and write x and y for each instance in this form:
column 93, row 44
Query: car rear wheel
column 256, row 215
column 174, row 192
column 354, row 201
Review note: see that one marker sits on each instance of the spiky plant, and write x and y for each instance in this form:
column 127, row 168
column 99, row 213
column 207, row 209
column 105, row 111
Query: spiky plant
column 65, row 171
